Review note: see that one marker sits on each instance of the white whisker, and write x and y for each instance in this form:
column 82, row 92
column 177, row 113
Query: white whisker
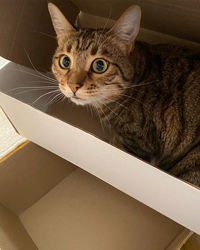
column 55, row 98
column 118, row 103
column 45, row 95
column 48, row 78
column 33, row 88
column 97, row 107
column 52, row 81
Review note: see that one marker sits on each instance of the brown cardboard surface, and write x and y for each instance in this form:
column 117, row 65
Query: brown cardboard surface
column 178, row 18
column 28, row 175
column 193, row 243
column 83, row 212
column 25, row 25
column 22, row 83
column 12, row 233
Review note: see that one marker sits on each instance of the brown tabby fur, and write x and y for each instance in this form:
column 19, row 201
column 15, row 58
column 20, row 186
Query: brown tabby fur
column 150, row 97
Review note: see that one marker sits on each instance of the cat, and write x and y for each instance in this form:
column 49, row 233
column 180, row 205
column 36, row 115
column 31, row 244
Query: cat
column 148, row 94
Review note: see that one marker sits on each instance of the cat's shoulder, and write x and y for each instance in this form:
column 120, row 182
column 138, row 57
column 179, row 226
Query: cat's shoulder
column 172, row 51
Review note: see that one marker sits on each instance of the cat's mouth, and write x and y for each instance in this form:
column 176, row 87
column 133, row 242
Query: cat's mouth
column 76, row 97
column 79, row 101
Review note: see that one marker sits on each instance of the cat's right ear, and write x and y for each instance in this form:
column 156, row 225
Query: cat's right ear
column 60, row 23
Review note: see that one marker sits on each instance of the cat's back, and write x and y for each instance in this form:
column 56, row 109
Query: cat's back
column 176, row 57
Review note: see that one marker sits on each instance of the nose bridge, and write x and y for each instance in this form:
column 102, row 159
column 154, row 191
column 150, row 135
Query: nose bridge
column 76, row 77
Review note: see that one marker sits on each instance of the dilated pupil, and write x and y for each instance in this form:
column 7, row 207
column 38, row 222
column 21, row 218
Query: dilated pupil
column 66, row 61
column 100, row 65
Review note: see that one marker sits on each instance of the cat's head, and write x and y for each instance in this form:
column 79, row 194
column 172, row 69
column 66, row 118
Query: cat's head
column 93, row 66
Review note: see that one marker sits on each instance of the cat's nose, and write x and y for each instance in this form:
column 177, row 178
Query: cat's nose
column 74, row 86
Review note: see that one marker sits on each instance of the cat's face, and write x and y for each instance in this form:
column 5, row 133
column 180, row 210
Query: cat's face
column 89, row 69
column 92, row 67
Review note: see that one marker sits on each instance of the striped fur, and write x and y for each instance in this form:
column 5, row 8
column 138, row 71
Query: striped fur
column 150, row 97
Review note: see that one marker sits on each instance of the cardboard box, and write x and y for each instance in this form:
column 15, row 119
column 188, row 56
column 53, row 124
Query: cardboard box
column 76, row 136
column 81, row 212
column 55, row 200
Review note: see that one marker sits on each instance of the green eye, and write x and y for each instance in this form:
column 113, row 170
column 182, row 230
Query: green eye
column 64, row 62
column 99, row 65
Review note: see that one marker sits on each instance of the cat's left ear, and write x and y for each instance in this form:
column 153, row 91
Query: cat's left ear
column 60, row 23
column 127, row 27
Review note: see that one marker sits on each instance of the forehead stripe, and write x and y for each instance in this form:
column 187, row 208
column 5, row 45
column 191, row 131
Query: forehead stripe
column 77, row 46
column 87, row 45
column 94, row 50
column 69, row 47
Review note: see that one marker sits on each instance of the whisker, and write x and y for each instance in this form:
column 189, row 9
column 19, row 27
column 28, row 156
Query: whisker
column 117, row 116
column 97, row 107
column 135, row 85
column 45, row 34
column 142, row 84
column 111, row 111
column 56, row 97
column 29, row 90
column 43, row 81
column 52, row 81
column 33, row 88
column 104, row 27
column 135, row 99
column 35, row 67
column 118, row 103
column 44, row 95
column 108, row 19
column 114, row 91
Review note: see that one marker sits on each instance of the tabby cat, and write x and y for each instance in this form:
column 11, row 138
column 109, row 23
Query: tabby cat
column 148, row 94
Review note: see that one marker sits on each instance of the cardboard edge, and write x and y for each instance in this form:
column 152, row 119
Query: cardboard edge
column 180, row 240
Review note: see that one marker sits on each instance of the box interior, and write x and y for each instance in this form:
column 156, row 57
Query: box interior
column 89, row 213
column 29, row 174
column 13, row 234
column 71, row 208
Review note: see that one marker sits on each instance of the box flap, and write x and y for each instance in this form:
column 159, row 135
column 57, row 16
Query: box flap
column 26, row 26
column 178, row 18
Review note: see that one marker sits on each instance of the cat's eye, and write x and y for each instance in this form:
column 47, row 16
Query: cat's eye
column 99, row 65
column 64, row 62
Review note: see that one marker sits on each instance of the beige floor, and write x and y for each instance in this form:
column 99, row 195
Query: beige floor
column 9, row 138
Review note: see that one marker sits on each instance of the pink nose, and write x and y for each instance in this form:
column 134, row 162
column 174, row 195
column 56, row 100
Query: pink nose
column 74, row 86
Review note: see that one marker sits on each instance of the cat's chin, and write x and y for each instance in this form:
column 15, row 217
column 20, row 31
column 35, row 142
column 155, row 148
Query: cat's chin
column 79, row 101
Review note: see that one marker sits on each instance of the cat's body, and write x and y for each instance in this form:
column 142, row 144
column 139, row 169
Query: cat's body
column 148, row 94
column 159, row 119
